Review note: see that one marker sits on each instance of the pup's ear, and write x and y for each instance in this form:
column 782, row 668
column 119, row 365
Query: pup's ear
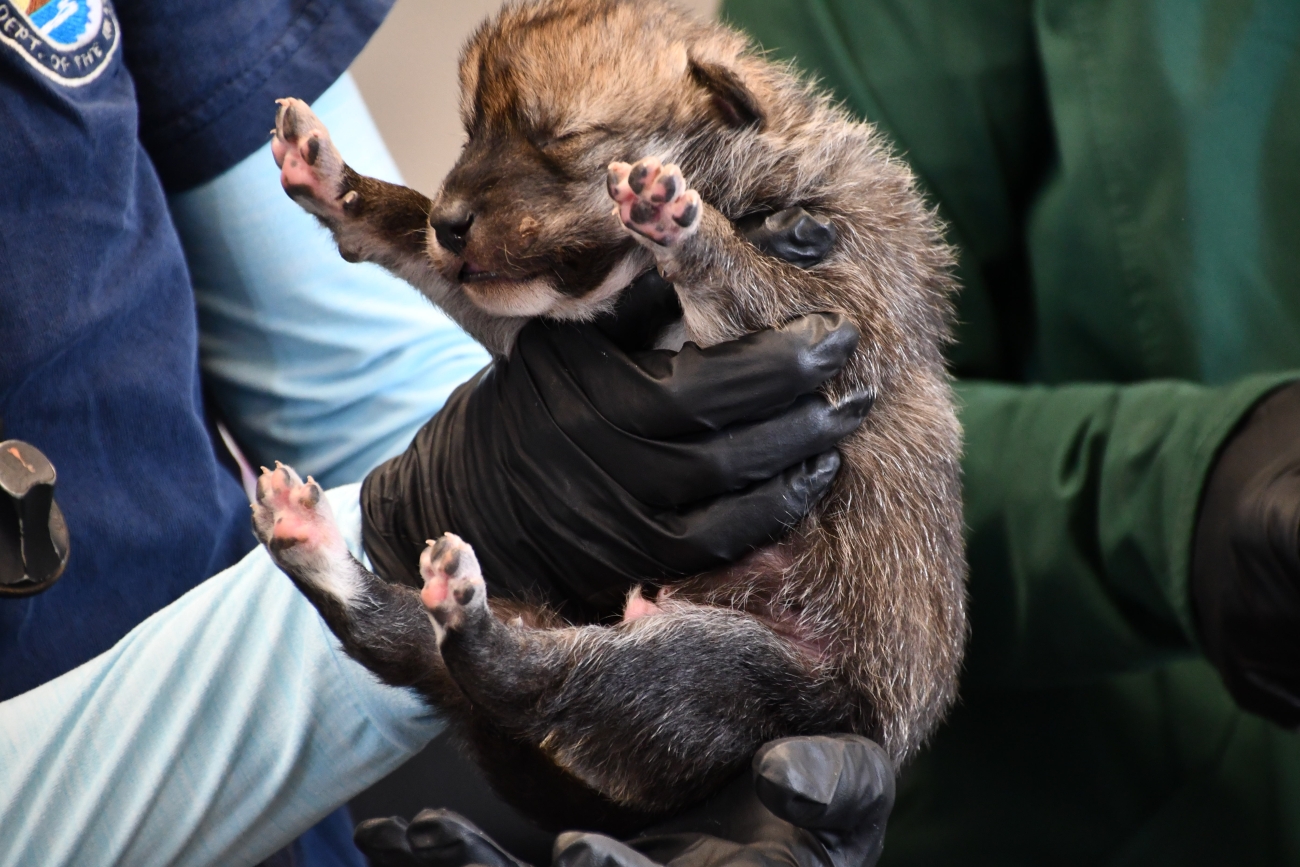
column 735, row 103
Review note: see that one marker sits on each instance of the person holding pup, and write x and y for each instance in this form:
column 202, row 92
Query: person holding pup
column 172, row 699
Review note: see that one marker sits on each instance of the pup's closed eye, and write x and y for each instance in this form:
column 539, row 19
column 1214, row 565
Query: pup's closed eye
column 565, row 136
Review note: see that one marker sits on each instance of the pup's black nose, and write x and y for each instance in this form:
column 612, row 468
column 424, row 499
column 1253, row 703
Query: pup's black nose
column 451, row 226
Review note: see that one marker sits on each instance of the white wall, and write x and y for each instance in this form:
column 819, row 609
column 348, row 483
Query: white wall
column 408, row 76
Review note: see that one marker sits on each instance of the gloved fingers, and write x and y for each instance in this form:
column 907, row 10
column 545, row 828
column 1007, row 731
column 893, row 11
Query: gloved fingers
column 383, row 842
column 732, row 525
column 674, row 473
column 660, row 394
column 755, row 375
column 577, row 849
column 798, row 237
column 839, row 783
column 441, row 838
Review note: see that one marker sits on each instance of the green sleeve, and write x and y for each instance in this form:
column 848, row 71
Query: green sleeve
column 1080, row 501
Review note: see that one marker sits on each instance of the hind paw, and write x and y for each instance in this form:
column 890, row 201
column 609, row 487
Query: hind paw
column 311, row 169
column 453, row 583
column 652, row 200
column 293, row 520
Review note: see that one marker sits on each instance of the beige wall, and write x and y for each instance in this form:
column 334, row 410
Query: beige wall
column 408, row 76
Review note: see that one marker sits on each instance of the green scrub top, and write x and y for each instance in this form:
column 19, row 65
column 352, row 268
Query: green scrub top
column 1123, row 182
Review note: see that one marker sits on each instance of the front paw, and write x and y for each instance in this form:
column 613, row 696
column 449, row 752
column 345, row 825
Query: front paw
column 311, row 169
column 653, row 202
column 453, row 583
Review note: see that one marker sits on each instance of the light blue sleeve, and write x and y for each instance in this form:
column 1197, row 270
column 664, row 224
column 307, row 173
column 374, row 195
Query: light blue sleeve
column 213, row 734
column 329, row 366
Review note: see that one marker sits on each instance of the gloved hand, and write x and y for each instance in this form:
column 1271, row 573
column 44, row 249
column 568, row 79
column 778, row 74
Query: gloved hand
column 587, row 462
column 1246, row 561
column 812, row 802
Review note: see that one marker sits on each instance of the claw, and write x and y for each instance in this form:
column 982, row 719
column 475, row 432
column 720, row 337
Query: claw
column 286, row 119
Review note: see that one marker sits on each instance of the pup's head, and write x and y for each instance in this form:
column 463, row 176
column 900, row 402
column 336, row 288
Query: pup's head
column 551, row 93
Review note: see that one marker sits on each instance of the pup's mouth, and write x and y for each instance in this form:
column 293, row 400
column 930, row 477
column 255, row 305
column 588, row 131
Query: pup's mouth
column 472, row 273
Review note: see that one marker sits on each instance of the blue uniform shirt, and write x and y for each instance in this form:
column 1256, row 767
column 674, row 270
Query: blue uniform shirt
column 102, row 107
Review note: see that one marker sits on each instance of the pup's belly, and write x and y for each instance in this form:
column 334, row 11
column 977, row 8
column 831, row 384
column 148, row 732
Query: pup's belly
column 749, row 585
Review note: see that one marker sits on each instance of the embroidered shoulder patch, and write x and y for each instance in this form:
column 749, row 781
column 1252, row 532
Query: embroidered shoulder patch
column 69, row 41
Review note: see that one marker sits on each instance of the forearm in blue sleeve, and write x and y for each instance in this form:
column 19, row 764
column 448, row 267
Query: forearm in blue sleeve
column 215, row 732
column 329, row 366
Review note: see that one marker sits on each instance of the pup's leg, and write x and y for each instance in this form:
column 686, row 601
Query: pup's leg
column 648, row 712
column 372, row 220
column 383, row 626
column 726, row 284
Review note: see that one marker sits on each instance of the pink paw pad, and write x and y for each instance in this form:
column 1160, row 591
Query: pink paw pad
column 652, row 200
column 293, row 514
column 453, row 582
column 311, row 169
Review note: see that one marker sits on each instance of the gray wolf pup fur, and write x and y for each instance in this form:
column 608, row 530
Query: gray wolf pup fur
column 606, row 137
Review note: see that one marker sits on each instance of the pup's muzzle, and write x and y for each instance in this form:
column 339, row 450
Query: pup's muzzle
column 451, row 224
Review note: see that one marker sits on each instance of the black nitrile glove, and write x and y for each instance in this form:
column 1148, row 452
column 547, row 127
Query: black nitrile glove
column 1246, row 561
column 793, row 235
column 586, row 462
column 812, row 802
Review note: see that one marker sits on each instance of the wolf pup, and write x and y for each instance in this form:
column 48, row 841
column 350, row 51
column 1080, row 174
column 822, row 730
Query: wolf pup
column 605, row 137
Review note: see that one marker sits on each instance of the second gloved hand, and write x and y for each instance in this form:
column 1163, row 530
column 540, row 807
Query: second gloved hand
column 810, row 802
column 585, row 463
column 1246, row 561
